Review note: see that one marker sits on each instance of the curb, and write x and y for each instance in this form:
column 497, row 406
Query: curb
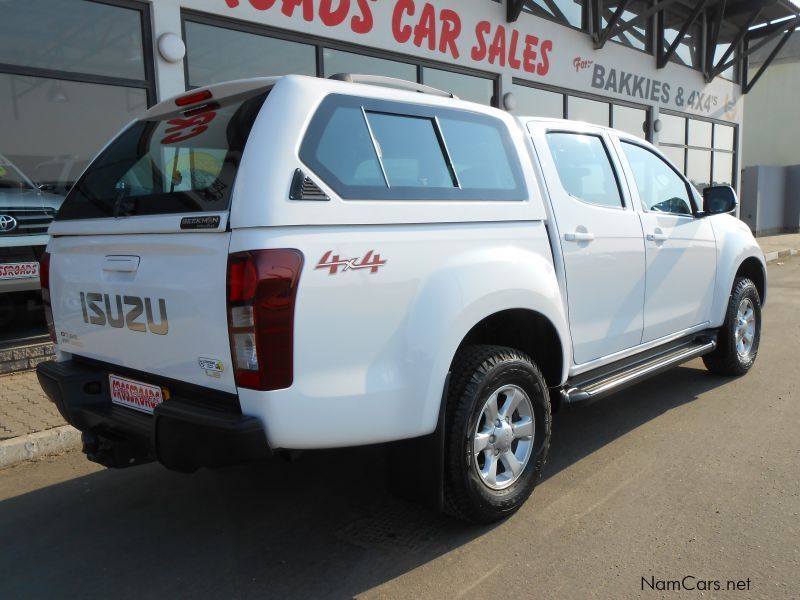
column 773, row 256
column 39, row 444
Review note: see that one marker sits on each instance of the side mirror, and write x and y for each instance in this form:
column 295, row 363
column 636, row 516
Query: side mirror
column 718, row 199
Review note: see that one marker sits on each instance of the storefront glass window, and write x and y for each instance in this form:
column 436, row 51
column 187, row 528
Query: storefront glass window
column 723, row 137
column 630, row 120
column 698, row 168
column 466, row 87
column 697, row 149
column 533, row 102
column 699, row 133
column 72, row 74
column 723, row 169
column 591, row 111
column 673, row 129
column 568, row 12
column 52, row 128
column 217, row 54
column 338, row 61
column 75, row 36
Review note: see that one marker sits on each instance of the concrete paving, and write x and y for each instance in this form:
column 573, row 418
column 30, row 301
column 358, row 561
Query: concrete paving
column 779, row 243
column 684, row 479
column 23, row 406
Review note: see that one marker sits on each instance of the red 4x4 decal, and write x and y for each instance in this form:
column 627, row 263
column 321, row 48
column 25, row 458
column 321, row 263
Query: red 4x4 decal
column 332, row 262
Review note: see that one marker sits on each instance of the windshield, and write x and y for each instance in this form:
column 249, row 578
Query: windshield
column 11, row 178
column 181, row 163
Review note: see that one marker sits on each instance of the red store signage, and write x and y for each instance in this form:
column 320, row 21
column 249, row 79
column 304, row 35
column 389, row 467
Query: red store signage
column 425, row 26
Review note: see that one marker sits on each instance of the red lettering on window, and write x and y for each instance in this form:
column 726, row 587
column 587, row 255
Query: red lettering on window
column 185, row 129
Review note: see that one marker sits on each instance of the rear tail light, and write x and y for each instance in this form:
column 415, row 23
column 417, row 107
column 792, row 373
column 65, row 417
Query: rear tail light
column 44, row 280
column 262, row 288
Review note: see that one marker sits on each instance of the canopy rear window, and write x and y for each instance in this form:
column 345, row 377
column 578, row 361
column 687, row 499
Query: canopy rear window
column 404, row 151
column 181, row 163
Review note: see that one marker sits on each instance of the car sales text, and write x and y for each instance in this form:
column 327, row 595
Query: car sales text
column 425, row 26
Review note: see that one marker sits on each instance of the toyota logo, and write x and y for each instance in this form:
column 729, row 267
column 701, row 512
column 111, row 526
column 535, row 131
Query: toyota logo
column 7, row 223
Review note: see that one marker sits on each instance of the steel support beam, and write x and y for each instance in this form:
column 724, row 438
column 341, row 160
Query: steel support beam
column 713, row 37
column 747, row 85
column 614, row 26
column 721, row 63
column 514, row 9
column 762, row 41
column 766, row 39
column 663, row 56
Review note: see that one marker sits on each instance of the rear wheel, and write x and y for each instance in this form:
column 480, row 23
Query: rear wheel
column 497, row 433
column 740, row 334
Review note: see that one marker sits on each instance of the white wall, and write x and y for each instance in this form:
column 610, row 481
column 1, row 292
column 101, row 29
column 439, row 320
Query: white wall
column 771, row 128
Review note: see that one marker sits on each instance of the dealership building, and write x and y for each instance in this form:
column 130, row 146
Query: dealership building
column 73, row 72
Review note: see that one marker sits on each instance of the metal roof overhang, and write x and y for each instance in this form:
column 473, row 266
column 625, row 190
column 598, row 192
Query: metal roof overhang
column 744, row 24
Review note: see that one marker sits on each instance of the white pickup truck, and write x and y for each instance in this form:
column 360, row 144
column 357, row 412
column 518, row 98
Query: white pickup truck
column 293, row 263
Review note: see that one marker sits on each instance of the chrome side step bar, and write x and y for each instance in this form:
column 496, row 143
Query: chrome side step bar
column 585, row 393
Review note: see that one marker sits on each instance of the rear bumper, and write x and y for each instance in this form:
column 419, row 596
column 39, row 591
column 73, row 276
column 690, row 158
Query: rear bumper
column 27, row 284
column 182, row 434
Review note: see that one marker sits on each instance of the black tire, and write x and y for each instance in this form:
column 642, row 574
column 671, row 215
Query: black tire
column 478, row 371
column 726, row 359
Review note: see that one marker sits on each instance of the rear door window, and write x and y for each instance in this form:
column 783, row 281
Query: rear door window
column 584, row 168
column 182, row 163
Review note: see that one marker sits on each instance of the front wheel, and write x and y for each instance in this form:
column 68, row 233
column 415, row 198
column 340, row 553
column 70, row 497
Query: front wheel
column 740, row 334
column 497, row 433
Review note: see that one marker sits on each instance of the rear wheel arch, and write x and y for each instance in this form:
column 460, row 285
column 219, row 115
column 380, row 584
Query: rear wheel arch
column 526, row 330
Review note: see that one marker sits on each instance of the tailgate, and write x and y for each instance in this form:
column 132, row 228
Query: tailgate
column 139, row 249
column 150, row 302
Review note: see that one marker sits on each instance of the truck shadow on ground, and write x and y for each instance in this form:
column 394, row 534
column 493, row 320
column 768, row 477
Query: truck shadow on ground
column 321, row 526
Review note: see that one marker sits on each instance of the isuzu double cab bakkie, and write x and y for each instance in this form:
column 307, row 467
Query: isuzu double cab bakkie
column 297, row 263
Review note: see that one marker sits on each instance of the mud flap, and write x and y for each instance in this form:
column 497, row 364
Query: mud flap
column 415, row 467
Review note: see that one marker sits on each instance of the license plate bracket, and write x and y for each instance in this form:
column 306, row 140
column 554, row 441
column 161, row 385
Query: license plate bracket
column 135, row 395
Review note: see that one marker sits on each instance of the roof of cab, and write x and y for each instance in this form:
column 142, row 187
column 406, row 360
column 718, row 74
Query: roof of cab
column 573, row 124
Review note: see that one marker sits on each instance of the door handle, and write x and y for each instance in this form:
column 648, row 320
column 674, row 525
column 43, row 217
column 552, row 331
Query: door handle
column 125, row 264
column 579, row 236
column 657, row 236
